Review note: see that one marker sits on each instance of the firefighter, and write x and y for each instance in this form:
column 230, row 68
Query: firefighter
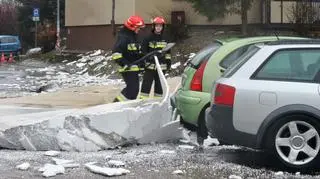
column 155, row 41
column 126, row 51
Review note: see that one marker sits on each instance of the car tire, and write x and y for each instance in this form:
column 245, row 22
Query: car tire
column 202, row 131
column 295, row 141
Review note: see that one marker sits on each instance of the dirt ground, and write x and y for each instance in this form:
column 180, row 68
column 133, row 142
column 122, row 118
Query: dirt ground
column 77, row 97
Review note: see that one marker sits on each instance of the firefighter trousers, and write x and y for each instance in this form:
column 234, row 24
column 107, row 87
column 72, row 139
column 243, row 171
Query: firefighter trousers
column 131, row 91
column 148, row 78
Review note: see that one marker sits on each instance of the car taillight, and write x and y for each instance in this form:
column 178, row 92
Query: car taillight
column 224, row 95
column 196, row 83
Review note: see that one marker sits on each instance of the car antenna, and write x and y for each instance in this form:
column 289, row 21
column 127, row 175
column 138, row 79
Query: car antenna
column 274, row 31
column 276, row 35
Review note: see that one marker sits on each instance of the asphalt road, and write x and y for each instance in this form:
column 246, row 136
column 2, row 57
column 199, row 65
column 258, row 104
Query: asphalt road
column 153, row 161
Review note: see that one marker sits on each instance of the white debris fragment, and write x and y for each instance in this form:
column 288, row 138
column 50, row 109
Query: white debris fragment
column 80, row 65
column 52, row 153
column 280, row 173
column 188, row 147
column 97, row 60
column 23, row 166
column 178, row 172
column 154, row 170
column 70, row 165
column 34, row 51
column 108, row 157
column 71, row 63
column 185, row 141
column 210, row 142
column 167, row 151
column 191, row 55
column 297, row 173
column 97, row 52
column 105, row 170
column 58, row 161
column 176, row 65
column 234, row 177
column 50, row 170
column 116, row 163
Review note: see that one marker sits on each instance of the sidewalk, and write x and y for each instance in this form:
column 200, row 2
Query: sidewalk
column 79, row 97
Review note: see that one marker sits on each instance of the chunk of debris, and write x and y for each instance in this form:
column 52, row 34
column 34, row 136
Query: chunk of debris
column 58, row 161
column 210, row 142
column 167, row 151
column 65, row 163
column 280, row 173
column 234, row 177
column 188, row 147
column 50, row 170
column 34, row 51
column 108, row 157
column 178, row 172
column 176, row 65
column 71, row 165
column 116, row 163
column 52, row 153
column 23, row 166
column 106, row 171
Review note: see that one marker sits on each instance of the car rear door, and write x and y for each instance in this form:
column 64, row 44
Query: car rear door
column 286, row 77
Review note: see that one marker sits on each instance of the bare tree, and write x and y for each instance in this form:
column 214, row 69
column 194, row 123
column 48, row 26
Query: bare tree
column 8, row 17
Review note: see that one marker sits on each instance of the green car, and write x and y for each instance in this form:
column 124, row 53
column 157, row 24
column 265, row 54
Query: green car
column 193, row 96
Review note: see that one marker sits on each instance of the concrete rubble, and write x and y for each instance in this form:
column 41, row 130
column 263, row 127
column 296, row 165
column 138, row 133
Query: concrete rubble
column 91, row 129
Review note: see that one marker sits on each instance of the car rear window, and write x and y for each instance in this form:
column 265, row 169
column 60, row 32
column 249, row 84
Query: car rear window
column 8, row 40
column 241, row 61
column 205, row 53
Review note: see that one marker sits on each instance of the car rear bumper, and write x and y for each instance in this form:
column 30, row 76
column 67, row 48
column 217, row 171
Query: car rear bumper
column 190, row 104
column 219, row 121
column 7, row 52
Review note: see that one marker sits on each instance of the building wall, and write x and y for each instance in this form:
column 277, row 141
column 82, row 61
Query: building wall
column 276, row 11
column 90, row 37
column 148, row 9
column 88, row 21
column 97, row 12
column 194, row 18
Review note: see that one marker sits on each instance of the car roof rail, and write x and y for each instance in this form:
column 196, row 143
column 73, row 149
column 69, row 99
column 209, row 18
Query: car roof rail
column 294, row 42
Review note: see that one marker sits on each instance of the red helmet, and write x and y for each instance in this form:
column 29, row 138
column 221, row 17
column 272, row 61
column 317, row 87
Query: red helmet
column 134, row 22
column 158, row 20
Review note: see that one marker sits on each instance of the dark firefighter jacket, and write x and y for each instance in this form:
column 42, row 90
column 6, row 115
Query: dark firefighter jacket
column 127, row 50
column 156, row 42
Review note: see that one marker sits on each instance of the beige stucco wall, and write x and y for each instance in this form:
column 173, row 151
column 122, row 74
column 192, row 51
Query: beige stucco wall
column 97, row 12
column 194, row 18
column 150, row 8
column 276, row 11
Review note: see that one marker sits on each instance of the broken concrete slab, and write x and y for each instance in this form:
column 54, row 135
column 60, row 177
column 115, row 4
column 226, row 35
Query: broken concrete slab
column 93, row 128
column 106, row 171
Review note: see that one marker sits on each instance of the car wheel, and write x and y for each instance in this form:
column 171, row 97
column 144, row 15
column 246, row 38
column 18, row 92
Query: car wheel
column 202, row 131
column 295, row 141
